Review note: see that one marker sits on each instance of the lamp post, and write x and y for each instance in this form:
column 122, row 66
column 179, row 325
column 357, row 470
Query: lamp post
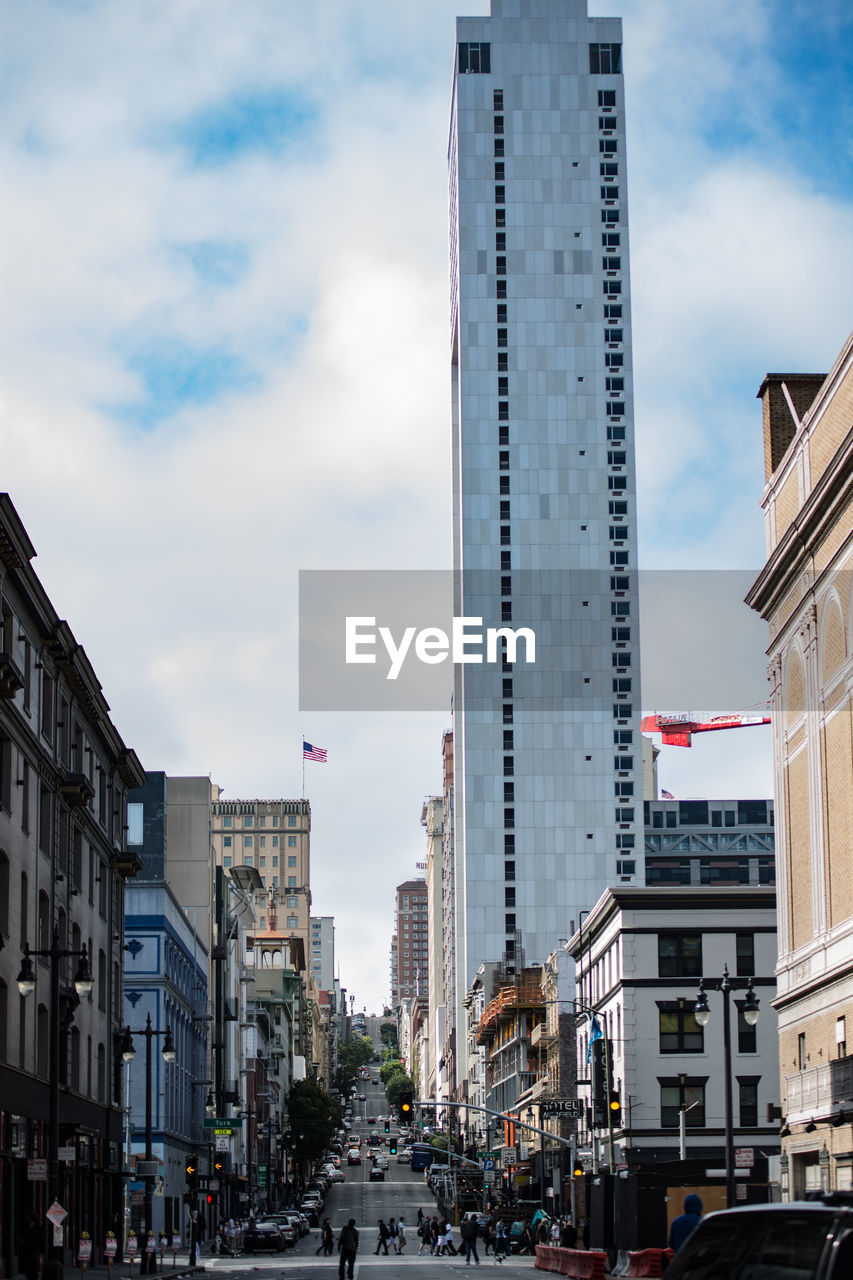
column 82, row 986
column 128, row 1053
column 703, row 1017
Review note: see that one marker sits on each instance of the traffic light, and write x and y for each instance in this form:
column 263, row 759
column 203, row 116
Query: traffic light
column 615, row 1110
column 578, row 1170
column 387, row 1126
column 407, row 1101
column 210, row 1199
column 392, row 1146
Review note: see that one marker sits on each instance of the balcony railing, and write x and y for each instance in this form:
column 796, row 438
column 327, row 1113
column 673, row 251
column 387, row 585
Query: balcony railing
column 809, row 1093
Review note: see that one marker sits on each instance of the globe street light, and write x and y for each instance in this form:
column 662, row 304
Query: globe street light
column 702, row 1014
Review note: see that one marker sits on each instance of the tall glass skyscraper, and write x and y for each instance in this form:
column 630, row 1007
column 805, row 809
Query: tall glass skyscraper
column 547, row 757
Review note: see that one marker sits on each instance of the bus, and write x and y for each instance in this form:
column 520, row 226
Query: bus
column 423, row 1154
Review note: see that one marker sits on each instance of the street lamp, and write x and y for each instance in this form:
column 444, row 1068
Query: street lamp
column 82, row 986
column 702, row 1014
column 128, row 1053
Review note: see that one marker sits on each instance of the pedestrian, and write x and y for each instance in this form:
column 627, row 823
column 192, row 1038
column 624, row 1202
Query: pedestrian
column 555, row 1233
column 382, row 1242
column 568, row 1234
column 347, row 1248
column 434, row 1234
column 401, row 1234
column 500, row 1240
column 468, row 1231
column 392, row 1234
column 30, row 1247
column 488, row 1234
column 686, row 1222
column 327, row 1240
column 447, row 1244
column 420, row 1217
column 527, row 1244
column 423, row 1235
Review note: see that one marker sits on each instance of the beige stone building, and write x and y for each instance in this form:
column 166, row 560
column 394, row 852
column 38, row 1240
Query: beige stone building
column 274, row 837
column 804, row 593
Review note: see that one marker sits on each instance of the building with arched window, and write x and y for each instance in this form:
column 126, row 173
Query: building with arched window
column 805, row 593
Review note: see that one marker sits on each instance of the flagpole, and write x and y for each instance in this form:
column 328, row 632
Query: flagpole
column 303, row 766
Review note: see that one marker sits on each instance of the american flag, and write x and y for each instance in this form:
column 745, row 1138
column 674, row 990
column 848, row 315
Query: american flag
column 667, row 795
column 317, row 754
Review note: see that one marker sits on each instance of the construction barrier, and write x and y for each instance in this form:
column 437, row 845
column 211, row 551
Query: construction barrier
column 579, row 1264
column 645, row 1262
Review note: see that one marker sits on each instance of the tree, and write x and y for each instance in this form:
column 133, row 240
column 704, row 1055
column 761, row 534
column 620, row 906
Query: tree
column 397, row 1084
column 391, row 1068
column 352, row 1054
column 314, row 1116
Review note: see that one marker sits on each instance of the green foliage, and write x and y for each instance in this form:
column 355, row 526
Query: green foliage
column 314, row 1116
column 352, row 1054
column 397, row 1084
column 439, row 1142
column 389, row 1068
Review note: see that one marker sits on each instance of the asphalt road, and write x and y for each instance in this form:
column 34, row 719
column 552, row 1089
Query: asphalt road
column 402, row 1193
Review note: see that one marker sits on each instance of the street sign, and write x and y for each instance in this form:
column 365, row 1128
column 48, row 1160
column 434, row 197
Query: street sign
column 222, row 1143
column 68, row 1154
column 509, row 1157
column 745, row 1157
column 572, row 1107
column 223, row 1122
column 56, row 1214
column 488, row 1166
column 37, row 1171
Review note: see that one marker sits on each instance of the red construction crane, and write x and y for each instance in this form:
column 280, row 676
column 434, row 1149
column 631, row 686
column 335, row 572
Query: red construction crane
column 676, row 730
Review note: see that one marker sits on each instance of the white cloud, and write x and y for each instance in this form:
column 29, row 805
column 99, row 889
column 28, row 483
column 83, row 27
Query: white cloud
column 174, row 553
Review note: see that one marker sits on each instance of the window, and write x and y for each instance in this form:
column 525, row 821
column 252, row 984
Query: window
column 607, row 122
column 748, row 1099
column 134, row 824
column 745, row 949
column 291, row 860
column 693, row 813
column 248, row 842
column 605, row 60
column 262, row 841
column 293, row 922
column 751, row 813
column 678, row 1028
column 608, row 169
column 227, row 842
column 291, row 842
column 624, row 815
column 291, row 821
column 608, row 147
column 291, row 882
column 226, row 862
column 475, row 57
column 293, row 902
column 227, row 820
column 275, row 842
column 610, row 193
column 619, row 608
column 747, row 1036
column 612, row 335
column 498, row 124
column 611, row 264
column 680, row 955
column 621, row 635
column 674, row 1096
column 610, row 217
column 610, row 240
column 612, row 287
column 626, row 868
column 45, row 824
column 248, row 820
column 607, row 97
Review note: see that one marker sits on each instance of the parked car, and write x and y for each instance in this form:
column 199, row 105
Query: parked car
column 339, row 1176
column 377, row 1173
column 286, row 1226
column 263, row 1237
column 312, row 1212
column 808, row 1239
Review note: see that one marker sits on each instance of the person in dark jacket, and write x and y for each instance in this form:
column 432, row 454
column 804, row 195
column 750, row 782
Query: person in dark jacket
column 30, row 1247
column 382, row 1241
column 327, row 1240
column 686, row 1223
column 568, row 1234
column 347, row 1248
column 468, row 1231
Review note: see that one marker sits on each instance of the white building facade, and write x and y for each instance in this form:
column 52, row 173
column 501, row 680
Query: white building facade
column 321, row 951
column 547, row 759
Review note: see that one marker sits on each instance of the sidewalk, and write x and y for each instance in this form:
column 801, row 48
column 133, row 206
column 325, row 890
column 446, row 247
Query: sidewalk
column 121, row 1270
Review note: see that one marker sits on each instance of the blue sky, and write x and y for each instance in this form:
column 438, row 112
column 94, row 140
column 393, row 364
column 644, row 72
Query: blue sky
column 224, row 349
